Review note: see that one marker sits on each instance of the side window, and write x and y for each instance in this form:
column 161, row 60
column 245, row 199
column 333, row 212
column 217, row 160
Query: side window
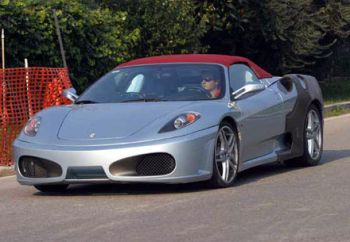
column 240, row 75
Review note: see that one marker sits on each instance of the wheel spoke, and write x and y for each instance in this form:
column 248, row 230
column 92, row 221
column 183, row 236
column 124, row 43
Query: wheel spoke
column 220, row 159
column 225, row 140
column 232, row 164
column 232, row 145
column 316, row 144
column 316, row 128
column 232, row 155
column 225, row 171
column 311, row 147
column 227, row 165
column 318, row 137
column 310, row 121
column 222, row 140
column 309, row 134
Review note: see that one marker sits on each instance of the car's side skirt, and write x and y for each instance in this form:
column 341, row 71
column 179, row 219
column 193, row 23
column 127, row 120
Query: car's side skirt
column 269, row 158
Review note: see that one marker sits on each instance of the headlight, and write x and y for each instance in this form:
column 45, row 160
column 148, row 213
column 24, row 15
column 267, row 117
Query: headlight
column 181, row 121
column 32, row 126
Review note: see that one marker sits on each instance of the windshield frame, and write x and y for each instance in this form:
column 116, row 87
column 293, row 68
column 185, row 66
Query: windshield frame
column 224, row 74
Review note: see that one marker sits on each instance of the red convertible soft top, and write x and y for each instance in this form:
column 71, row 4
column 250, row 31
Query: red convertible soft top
column 226, row 60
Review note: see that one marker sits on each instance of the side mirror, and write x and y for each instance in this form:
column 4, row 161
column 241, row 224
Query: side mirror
column 70, row 94
column 249, row 88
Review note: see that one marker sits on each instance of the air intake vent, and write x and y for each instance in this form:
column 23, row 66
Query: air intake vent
column 34, row 167
column 287, row 83
column 155, row 165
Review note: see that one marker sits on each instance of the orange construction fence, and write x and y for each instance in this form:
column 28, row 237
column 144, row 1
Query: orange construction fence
column 24, row 92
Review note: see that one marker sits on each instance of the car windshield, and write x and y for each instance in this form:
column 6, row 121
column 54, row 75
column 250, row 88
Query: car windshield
column 154, row 83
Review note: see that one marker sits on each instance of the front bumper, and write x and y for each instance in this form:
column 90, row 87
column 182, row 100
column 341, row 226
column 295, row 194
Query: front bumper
column 193, row 155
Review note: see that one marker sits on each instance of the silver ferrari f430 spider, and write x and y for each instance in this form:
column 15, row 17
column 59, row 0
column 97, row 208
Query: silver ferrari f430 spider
column 173, row 119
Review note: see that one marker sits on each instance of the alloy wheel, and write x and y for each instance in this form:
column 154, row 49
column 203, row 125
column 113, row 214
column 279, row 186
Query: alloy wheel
column 226, row 154
column 313, row 134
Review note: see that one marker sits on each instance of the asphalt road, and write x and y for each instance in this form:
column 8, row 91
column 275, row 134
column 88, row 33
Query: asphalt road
column 269, row 203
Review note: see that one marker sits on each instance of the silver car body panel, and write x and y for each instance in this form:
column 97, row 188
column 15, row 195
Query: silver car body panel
column 190, row 166
column 127, row 129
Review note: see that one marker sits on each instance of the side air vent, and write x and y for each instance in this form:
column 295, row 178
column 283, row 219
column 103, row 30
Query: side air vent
column 287, row 83
column 288, row 140
column 35, row 167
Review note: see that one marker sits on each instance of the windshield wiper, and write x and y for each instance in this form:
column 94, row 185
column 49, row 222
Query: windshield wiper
column 143, row 100
column 85, row 102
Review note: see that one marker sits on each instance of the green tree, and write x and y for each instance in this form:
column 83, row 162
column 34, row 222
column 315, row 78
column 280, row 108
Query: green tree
column 166, row 26
column 303, row 32
column 225, row 22
column 237, row 27
column 95, row 39
column 281, row 35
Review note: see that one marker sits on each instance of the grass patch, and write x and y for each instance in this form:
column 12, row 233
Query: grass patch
column 335, row 91
column 337, row 111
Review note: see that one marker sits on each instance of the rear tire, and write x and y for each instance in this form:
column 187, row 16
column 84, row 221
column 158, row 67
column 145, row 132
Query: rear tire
column 226, row 157
column 313, row 140
column 52, row 188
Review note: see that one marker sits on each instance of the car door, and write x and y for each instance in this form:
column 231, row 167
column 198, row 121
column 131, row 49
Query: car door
column 261, row 121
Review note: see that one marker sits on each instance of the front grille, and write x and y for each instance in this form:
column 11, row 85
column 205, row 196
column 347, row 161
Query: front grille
column 35, row 167
column 155, row 165
column 86, row 172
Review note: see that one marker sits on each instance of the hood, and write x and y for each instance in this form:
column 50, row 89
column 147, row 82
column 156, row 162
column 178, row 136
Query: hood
column 113, row 120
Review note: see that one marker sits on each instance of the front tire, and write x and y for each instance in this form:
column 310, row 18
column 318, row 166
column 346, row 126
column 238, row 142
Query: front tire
column 313, row 140
column 226, row 157
column 52, row 188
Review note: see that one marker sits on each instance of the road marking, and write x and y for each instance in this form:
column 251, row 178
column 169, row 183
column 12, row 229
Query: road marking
column 337, row 117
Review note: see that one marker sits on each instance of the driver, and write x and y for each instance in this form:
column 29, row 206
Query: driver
column 210, row 84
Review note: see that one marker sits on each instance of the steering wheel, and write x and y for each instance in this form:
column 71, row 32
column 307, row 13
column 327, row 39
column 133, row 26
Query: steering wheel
column 198, row 90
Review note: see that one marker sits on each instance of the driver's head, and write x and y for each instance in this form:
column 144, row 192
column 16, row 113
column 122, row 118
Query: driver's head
column 209, row 83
